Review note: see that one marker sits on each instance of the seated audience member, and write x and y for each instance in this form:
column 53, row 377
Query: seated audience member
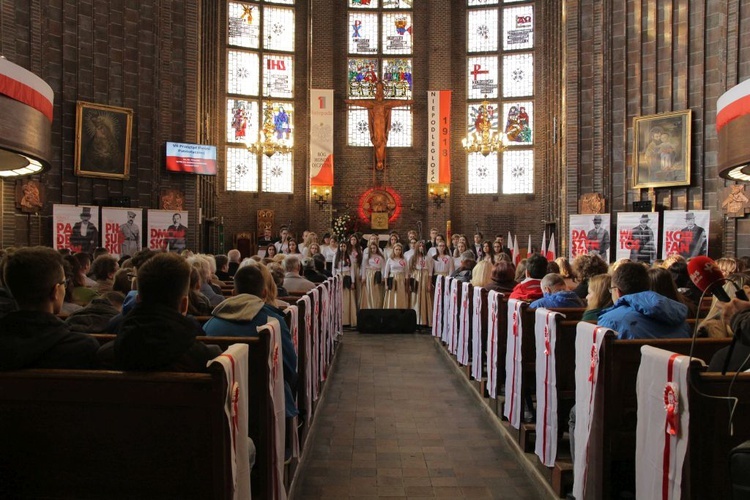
column 95, row 317
column 599, row 297
column 242, row 314
column 33, row 336
column 234, row 257
column 463, row 273
column 198, row 304
column 481, row 275
column 503, row 278
column 81, row 293
column 584, row 267
column 278, row 277
column 222, row 268
column 84, row 267
column 201, row 263
column 293, row 281
column 713, row 325
column 552, row 267
column 320, row 265
column 123, row 281
column 156, row 335
column 556, row 294
column 531, row 287
column 737, row 314
column 309, row 271
column 272, row 291
column 68, row 307
column 639, row 313
column 727, row 265
column 98, row 251
column 7, row 303
column 566, row 271
column 520, row 272
column 685, row 285
column 662, row 283
column 103, row 270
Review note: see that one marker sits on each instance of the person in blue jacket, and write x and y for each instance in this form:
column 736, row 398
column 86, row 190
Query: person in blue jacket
column 556, row 294
column 242, row 314
column 638, row 313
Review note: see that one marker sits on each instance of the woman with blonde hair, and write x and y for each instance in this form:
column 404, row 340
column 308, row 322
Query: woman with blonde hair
column 727, row 265
column 420, row 271
column 599, row 296
column 395, row 276
column 481, row 275
column 566, row 271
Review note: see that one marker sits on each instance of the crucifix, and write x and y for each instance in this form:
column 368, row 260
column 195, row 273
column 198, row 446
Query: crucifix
column 379, row 120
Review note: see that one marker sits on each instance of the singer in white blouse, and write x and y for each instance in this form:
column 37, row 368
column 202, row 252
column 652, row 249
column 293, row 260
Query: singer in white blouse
column 420, row 270
column 443, row 262
column 395, row 276
column 342, row 266
column 372, row 279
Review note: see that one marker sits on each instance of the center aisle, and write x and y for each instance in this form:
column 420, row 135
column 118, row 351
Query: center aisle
column 397, row 421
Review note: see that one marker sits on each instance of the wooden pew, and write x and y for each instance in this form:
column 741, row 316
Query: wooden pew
column 111, row 434
column 619, row 363
column 260, row 411
column 706, row 468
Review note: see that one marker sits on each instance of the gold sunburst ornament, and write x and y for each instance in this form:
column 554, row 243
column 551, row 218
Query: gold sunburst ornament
column 247, row 13
column 484, row 140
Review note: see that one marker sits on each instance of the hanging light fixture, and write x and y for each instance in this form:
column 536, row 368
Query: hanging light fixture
column 270, row 145
column 25, row 121
column 733, row 127
column 484, row 140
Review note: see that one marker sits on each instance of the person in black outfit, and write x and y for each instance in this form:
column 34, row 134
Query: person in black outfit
column 737, row 314
column 33, row 336
column 156, row 335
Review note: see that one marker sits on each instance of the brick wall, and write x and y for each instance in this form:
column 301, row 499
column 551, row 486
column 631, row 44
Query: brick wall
column 131, row 54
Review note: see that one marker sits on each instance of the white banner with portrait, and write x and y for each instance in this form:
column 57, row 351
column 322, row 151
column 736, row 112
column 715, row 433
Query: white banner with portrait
column 167, row 230
column 637, row 234
column 685, row 233
column 122, row 230
column 75, row 228
column 589, row 234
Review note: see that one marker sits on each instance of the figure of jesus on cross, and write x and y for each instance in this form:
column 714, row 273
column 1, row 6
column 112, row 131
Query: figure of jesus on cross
column 379, row 120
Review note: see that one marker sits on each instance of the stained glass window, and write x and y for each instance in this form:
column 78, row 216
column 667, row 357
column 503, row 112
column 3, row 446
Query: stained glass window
column 519, row 124
column 358, row 131
column 397, row 78
column 278, row 29
column 482, row 173
column 482, row 77
column 244, row 25
column 278, row 173
column 380, row 46
column 483, row 28
column 278, row 78
column 397, row 28
column 363, row 32
column 363, row 74
column 242, row 121
column 518, row 75
column 242, row 73
column 518, row 171
column 401, row 127
column 363, row 4
column 241, row 170
column 503, row 75
column 397, row 4
column 260, row 63
column 518, row 28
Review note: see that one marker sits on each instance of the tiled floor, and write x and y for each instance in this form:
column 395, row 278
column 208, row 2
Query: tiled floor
column 398, row 422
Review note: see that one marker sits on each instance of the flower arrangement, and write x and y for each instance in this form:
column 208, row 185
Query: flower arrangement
column 343, row 225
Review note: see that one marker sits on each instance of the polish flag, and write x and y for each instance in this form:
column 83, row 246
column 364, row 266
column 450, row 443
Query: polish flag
column 528, row 248
column 551, row 254
column 516, row 252
column 543, row 248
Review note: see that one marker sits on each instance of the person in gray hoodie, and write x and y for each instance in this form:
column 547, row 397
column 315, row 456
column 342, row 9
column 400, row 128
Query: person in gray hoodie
column 240, row 316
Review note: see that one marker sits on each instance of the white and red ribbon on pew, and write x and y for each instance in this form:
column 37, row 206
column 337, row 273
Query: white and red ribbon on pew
column 545, row 334
column 513, row 399
column 462, row 347
column 476, row 339
column 437, row 308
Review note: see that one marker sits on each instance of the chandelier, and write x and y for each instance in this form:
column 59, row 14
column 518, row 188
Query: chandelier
column 483, row 140
column 270, row 145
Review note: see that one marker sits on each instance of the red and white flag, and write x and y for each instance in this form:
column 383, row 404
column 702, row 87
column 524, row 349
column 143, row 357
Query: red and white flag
column 528, row 248
column 543, row 248
column 551, row 254
column 516, row 252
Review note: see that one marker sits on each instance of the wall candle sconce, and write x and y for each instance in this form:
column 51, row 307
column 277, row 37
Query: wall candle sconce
column 321, row 199
column 438, row 198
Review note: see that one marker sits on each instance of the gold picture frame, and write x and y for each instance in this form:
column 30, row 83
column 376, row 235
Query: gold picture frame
column 661, row 150
column 103, row 135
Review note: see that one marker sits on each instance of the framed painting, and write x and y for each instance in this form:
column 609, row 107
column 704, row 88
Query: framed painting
column 661, row 153
column 103, row 135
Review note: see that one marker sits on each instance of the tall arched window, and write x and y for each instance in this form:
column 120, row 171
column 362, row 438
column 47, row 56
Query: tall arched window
column 380, row 48
column 500, row 72
column 260, row 92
